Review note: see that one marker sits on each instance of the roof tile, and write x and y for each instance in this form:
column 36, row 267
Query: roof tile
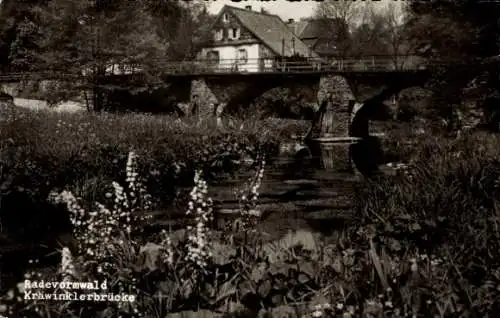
column 271, row 30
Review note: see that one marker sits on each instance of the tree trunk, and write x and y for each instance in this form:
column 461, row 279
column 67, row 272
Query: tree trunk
column 98, row 96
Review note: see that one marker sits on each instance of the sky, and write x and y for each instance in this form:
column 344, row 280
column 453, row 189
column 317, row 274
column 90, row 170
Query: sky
column 284, row 8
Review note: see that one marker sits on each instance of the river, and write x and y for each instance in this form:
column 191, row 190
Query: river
column 298, row 191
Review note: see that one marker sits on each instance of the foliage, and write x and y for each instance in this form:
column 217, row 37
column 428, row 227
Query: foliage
column 425, row 243
column 17, row 28
column 41, row 151
column 339, row 18
column 471, row 37
column 94, row 38
column 471, row 32
column 444, row 205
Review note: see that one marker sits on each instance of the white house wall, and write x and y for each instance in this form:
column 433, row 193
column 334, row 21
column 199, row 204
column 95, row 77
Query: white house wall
column 229, row 58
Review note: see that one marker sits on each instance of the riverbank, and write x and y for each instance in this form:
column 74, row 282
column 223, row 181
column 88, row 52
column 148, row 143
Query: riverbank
column 87, row 151
column 421, row 242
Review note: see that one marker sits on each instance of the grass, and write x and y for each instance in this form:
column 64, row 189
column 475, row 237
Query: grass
column 425, row 243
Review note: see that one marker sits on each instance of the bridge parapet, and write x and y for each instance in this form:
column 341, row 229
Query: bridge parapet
column 200, row 67
column 278, row 65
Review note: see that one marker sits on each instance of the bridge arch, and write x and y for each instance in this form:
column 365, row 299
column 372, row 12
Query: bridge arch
column 300, row 90
column 228, row 92
column 375, row 108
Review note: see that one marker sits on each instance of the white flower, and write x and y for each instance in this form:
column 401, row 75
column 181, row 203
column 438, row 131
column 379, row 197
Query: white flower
column 20, row 287
column 317, row 313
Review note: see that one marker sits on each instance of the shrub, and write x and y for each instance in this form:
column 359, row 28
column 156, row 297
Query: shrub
column 445, row 203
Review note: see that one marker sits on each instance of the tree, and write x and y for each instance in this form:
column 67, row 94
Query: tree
column 102, row 37
column 92, row 38
column 400, row 47
column 18, row 31
column 22, row 51
column 382, row 33
column 187, row 28
column 370, row 36
column 471, row 30
column 341, row 17
column 471, row 34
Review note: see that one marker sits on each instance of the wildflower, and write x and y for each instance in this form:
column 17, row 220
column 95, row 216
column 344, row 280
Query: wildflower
column 67, row 268
column 351, row 309
column 169, row 255
column 414, row 266
column 248, row 201
column 198, row 247
column 20, row 287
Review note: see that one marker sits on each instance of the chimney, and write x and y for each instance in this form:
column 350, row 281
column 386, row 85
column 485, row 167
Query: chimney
column 290, row 21
column 249, row 8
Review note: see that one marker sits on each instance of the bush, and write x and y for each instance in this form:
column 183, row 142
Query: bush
column 445, row 203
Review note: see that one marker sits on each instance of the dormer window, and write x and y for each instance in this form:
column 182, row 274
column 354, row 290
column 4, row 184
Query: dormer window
column 225, row 18
column 234, row 33
column 218, row 35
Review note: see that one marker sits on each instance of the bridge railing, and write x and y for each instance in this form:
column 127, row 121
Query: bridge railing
column 287, row 65
column 231, row 66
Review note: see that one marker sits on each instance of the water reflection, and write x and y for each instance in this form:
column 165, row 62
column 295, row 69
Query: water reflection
column 367, row 155
column 311, row 187
column 363, row 156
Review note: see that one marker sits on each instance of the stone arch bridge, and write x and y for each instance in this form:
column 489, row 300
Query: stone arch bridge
column 358, row 86
column 357, row 96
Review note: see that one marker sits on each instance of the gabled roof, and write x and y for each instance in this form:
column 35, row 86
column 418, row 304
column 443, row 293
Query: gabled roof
column 271, row 30
column 298, row 27
column 310, row 42
column 315, row 28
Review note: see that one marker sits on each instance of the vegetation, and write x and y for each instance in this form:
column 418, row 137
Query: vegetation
column 424, row 242
column 472, row 35
column 43, row 151
column 94, row 38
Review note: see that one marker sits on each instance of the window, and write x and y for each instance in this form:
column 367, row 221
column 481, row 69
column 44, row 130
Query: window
column 234, row 33
column 213, row 57
column 218, row 35
column 242, row 56
column 225, row 18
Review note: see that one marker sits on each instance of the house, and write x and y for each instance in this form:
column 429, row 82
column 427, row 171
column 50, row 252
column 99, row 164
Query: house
column 325, row 36
column 251, row 41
